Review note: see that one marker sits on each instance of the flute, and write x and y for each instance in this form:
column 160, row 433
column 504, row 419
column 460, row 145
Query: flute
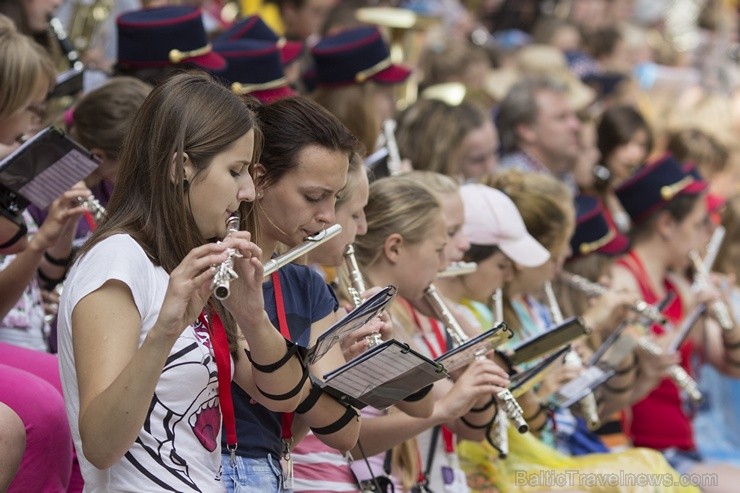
column 595, row 290
column 92, row 205
column 357, row 288
column 458, row 269
column 394, row 156
column 308, row 244
column 676, row 372
column 225, row 272
column 509, row 403
column 719, row 310
column 588, row 402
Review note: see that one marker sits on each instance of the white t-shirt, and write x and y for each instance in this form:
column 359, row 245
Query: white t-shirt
column 178, row 449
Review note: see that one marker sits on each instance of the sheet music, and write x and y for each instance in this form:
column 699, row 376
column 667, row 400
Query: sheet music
column 58, row 178
column 383, row 375
column 481, row 345
column 576, row 389
column 559, row 335
column 355, row 319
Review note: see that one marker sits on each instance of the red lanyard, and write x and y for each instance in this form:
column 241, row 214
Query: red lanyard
column 222, row 355
column 447, row 435
column 286, row 419
column 90, row 221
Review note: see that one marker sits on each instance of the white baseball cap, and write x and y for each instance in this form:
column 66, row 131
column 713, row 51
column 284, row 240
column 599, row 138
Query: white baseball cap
column 491, row 218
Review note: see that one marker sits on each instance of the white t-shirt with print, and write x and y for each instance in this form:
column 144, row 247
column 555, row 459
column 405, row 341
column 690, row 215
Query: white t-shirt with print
column 178, row 449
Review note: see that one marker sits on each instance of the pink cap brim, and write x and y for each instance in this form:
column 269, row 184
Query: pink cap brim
column 291, row 51
column 525, row 251
column 392, row 75
column 695, row 187
column 619, row 244
column 209, row 61
column 715, row 202
column 268, row 96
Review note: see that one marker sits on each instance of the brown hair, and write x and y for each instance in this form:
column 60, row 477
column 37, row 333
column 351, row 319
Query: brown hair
column 694, row 145
column 188, row 113
column 430, row 133
column 102, row 117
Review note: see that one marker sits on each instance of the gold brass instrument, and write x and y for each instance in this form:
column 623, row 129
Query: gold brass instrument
column 225, row 272
column 595, row 290
column 458, row 269
column 92, row 205
column 357, row 288
column 308, row 244
column 588, row 403
column 508, row 404
column 87, row 18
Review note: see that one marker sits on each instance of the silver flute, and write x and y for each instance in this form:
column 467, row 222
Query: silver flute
column 357, row 288
column 92, row 205
column 508, row 403
column 308, row 244
column 394, row 156
column 225, row 272
column 595, row 290
column 458, row 269
column 676, row 372
column 718, row 308
column 588, row 402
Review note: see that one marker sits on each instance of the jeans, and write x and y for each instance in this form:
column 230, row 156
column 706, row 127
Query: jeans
column 252, row 475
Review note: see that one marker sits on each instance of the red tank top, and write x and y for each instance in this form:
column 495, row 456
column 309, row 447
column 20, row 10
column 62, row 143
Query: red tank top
column 659, row 420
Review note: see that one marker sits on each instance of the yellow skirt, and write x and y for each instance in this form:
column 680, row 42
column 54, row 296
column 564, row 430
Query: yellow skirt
column 533, row 466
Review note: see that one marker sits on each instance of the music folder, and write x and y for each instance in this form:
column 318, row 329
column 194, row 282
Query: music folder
column 42, row 169
column 546, row 342
column 524, row 381
column 368, row 309
column 582, row 385
column 382, row 376
column 480, row 345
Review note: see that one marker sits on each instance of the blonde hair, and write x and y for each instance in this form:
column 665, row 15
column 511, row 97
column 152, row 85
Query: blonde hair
column 102, row 117
column 436, row 183
column 545, row 204
column 24, row 66
column 354, row 106
column 396, row 205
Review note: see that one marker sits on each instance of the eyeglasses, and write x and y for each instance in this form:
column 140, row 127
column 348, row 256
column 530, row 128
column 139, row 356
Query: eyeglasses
column 37, row 109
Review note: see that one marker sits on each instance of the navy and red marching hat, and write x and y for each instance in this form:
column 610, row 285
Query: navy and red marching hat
column 253, row 27
column 654, row 185
column 254, row 67
column 164, row 36
column 594, row 233
column 356, row 56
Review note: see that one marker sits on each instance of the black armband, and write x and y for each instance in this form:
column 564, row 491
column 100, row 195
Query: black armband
column 731, row 346
column 618, row 390
column 418, row 395
column 485, row 406
column 310, row 401
column 59, row 262
column 632, row 367
column 293, row 349
column 344, row 419
column 22, row 230
column 540, row 409
column 49, row 282
column 484, row 426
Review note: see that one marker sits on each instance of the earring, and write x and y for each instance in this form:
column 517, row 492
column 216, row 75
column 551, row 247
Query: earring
column 259, row 194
